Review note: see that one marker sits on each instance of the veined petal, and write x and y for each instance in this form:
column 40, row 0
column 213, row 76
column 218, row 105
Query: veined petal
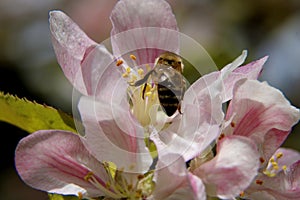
column 112, row 134
column 284, row 186
column 132, row 17
column 232, row 169
column 262, row 113
column 249, row 71
column 184, row 184
column 70, row 44
column 102, row 77
column 57, row 162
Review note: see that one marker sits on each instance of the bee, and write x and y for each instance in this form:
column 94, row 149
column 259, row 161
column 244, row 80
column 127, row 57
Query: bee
column 168, row 78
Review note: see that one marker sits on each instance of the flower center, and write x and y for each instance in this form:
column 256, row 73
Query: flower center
column 143, row 98
column 120, row 186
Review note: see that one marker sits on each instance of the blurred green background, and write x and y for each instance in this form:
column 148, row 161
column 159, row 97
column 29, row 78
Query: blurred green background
column 28, row 66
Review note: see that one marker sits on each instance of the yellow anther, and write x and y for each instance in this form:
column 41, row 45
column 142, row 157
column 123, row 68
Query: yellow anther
column 272, row 160
column 88, row 176
column 269, row 173
column 275, row 167
column 132, row 57
column 279, row 155
column 140, row 71
column 284, row 167
column 148, row 94
column 274, row 163
column 125, row 75
column 242, row 194
column 107, row 185
column 128, row 69
column 119, row 62
column 80, row 195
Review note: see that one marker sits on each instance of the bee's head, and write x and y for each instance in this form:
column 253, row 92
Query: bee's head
column 170, row 59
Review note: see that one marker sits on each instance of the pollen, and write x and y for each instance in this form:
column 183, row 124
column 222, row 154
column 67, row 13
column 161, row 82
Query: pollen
column 125, row 75
column 148, row 94
column 242, row 194
column 88, row 176
column 140, row 176
column 128, row 69
column 119, row 62
column 284, row 167
column 273, row 166
column 141, row 72
column 259, row 182
column 133, row 57
column 80, row 195
column 221, row 136
column 232, row 124
column 279, row 155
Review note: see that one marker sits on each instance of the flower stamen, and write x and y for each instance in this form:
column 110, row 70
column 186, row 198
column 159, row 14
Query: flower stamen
column 119, row 62
column 133, row 57
column 259, row 182
column 242, row 194
column 80, row 195
column 273, row 167
column 93, row 180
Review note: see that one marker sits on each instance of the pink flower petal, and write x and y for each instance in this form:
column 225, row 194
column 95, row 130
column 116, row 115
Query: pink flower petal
column 102, row 77
column 70, row 44
column 208, row 91
column 289, row 157
column 183, row 184
column 232, row 169
column 56, row 161
column 129, row 16
column 112, row 134
column 262, row 113
column 188, row 136
column 249, row 71
column 284, row 186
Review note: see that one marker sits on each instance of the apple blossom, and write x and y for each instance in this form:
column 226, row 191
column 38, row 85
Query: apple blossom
column 279, row 180
column 111, row 157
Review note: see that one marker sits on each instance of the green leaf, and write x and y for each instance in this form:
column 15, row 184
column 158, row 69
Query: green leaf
column 60, row 197
column 31, row 116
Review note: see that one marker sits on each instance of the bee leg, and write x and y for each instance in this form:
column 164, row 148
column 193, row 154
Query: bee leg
column 144, row 90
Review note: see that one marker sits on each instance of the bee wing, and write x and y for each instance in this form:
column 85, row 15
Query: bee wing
column 143, row 80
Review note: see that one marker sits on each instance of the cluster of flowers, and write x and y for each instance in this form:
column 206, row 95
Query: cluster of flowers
column 129, row 150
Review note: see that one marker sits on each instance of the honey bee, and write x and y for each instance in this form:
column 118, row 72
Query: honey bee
column 168, row 78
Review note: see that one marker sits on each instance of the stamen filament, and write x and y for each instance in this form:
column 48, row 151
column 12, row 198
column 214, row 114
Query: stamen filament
column 91, row 178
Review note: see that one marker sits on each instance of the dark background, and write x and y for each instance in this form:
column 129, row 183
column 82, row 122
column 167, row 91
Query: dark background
column 28, row 67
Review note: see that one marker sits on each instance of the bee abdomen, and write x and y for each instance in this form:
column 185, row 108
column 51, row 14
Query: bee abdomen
column 169, row 99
